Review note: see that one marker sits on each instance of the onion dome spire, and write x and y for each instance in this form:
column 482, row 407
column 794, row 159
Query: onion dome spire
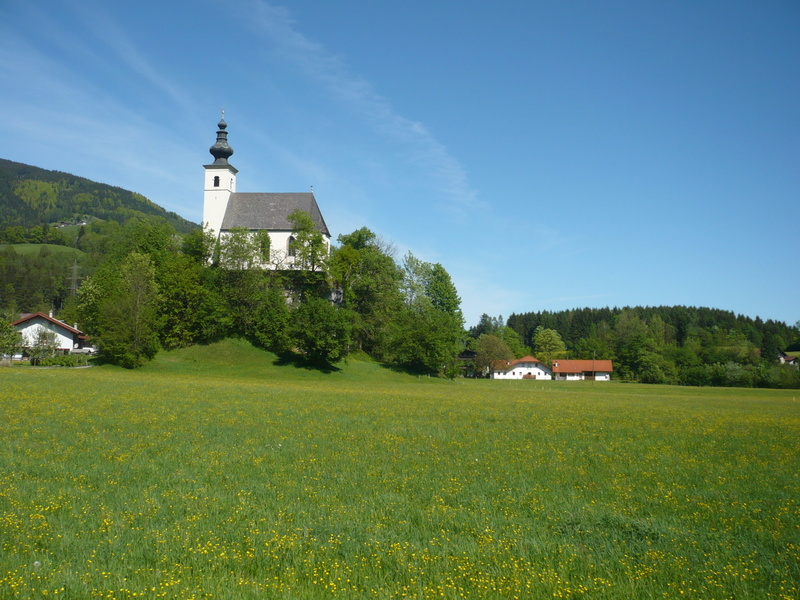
column 221, row 151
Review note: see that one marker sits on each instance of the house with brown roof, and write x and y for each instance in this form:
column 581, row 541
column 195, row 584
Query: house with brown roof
column 785, row 359
column 526, row 367
column 575, row 370
column 225, row 209
column 68, row 338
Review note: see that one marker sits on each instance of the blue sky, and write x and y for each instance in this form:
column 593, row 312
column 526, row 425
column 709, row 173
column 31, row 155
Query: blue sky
column 551, row 155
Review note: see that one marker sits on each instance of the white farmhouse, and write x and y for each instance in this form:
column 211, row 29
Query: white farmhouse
column 224, row 208
column 526, row 367
column 68, row 338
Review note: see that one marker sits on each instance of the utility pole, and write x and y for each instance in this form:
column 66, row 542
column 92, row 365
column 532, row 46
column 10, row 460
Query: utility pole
column 73, row 288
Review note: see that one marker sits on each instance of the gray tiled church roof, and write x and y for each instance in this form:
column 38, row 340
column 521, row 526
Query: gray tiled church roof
column 270, row 211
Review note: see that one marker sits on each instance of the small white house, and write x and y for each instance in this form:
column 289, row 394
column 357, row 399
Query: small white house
column 67, row 338
column 577, row 370
column 526, row 367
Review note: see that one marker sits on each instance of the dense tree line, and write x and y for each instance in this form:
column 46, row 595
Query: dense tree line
column 158, row 289
column 45, row 273
column 668, row 344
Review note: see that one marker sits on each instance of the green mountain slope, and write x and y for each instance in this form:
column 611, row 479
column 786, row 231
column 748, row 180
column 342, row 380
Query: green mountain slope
column 30, row 196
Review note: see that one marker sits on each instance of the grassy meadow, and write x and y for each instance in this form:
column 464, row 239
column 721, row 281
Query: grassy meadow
column 35, row 249
column 213, row 473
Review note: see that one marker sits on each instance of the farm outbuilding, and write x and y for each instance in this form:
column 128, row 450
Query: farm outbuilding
column 576, row 370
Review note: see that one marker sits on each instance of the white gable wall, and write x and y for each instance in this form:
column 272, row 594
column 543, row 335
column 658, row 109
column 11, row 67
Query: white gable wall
column 536, row 370
column 30, row 330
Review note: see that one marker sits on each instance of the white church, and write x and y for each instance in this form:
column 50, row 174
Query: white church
column 224, row 208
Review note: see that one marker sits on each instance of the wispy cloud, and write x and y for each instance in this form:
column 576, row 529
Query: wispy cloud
column 63, row 114
column 420, row 147
column 110, row 35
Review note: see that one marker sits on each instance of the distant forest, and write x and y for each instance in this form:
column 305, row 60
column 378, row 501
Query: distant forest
column 672, row 344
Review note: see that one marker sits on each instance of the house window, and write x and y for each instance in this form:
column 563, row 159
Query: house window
column 290, row 246
column 216, row 180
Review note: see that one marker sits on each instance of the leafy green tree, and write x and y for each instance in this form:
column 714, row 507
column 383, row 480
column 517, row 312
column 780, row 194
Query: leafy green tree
column 547, row 343
column 8, row 303
column 45, row 345
column 513, row 340
column 271, row 329
column 241, row 293
column 10, row 341
column 130, row 318
column 366, row 280
column 182, row 298
column 321, row 331
column 213, row 314
column 442, row 293
column 152, row 237
column 198, row 245
column 309, row 253
column 634, row 345
column 240, row 250
column 490, row 348
column 308, row 246
column 425, row 340
column 93, row 293
column 414, row 284
column 427, row 333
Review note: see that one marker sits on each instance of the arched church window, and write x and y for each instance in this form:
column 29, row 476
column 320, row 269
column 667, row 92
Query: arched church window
column 290, row 246
column 216, row 181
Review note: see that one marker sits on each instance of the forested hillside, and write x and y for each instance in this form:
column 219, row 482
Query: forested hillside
column 56, row 229
column 30, row 197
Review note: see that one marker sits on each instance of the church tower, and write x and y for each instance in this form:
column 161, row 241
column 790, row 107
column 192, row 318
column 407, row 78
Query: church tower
column 220, row 181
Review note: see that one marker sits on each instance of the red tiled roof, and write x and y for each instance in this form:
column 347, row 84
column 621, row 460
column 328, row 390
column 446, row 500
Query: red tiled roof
column 582, row 366
column 32, row 316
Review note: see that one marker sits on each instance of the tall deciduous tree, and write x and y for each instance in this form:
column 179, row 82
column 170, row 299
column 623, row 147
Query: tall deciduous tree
column 308, row 246
column 183, row 301
column 240, row 250
column 10, row 341
column 367, row 282
column 490, row 348
column 442, row 293
column 310, row 256
column 45, row 345
column 198, row 245
column 321, row 331
column 547, row 343
column 130, row 317
column 427, row 333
